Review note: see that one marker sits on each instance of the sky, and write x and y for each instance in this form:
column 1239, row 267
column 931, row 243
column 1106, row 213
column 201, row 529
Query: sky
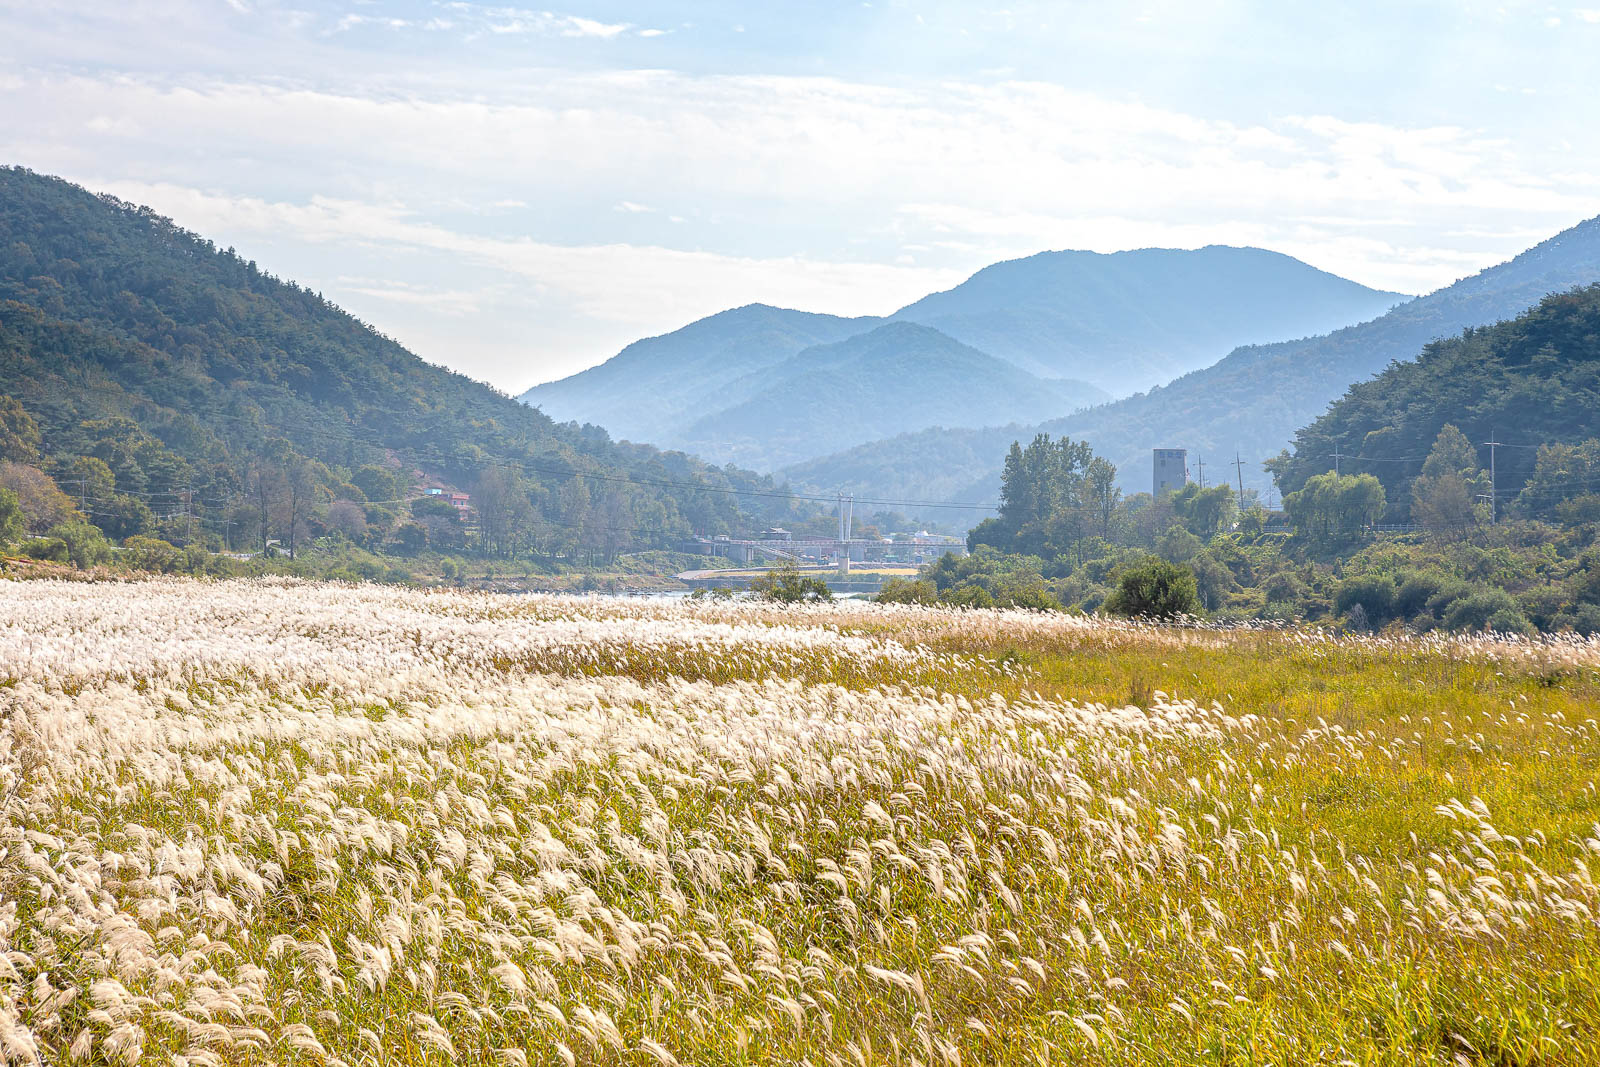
column 518, row 192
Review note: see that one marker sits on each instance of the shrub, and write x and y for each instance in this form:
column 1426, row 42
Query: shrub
column 1415, row 590
column 152, row 554
column 1583, row 619
column 1585, row 584
column 10, row 517
column 1450, row 590
column 1481, row 607
column 1035, row 597
column 1541, row 605
column 1373, row 593
column 1178, row 545
column 411, row 538
column 1154, row 589
column 1510, row 621
column 908, row 591
column 1213, row 581
column 968, row 596
column 1284, row 587
column 86, row 545
column 49, row 549
column 1092, row 598
column 784, row 584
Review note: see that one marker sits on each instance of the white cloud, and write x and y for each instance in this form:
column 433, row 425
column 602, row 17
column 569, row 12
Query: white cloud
column 791, row 190
column 573, row 26
column 517, row 20
column 625, row 291
column 638, row 284
column 456, row 303
column 818, row 142
column 350, row 22
column 122, row 126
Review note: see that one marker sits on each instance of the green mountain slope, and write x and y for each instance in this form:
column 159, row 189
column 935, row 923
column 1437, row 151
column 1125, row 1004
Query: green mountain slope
column 1255, row 399
column 1531, row 381
column 1130, row 320
column 898, row 377
column 107, row 309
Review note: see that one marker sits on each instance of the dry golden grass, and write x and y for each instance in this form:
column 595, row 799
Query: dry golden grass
column 291, row 823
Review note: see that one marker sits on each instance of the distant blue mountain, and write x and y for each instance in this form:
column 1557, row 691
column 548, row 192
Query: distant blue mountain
column 655, row 387
column 1059, row 329
column 1250, row 402
column 1127, row 321
column 898, row 377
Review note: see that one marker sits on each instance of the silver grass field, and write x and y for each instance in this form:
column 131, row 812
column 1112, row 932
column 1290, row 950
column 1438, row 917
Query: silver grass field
column 277, row 822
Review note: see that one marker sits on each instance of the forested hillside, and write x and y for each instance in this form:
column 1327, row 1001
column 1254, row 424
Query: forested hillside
column 1255, row 399
column 184, row 368
column 1532, row 384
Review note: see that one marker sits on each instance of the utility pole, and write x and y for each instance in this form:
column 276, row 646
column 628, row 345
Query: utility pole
column 844, row 545
column 1200, row 461
column 1493, row 503
column 1238, row 467
column 1337, row 456
column 849, row 523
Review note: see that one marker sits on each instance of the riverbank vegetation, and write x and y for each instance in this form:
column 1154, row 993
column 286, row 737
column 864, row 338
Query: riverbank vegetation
column 1410, row 529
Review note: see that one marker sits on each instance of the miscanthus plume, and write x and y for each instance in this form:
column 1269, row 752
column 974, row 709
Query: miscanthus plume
column 272, row 822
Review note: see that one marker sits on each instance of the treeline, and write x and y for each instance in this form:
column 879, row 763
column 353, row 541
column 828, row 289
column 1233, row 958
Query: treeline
column 1065, row 540
column 71, row 505
column 1461, row 490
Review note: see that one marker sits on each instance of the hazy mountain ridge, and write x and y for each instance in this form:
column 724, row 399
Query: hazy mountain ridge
column 1082, row 326
column 657, row 385
column 1256, row 397
column 1129, row 320
column 898, row 377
